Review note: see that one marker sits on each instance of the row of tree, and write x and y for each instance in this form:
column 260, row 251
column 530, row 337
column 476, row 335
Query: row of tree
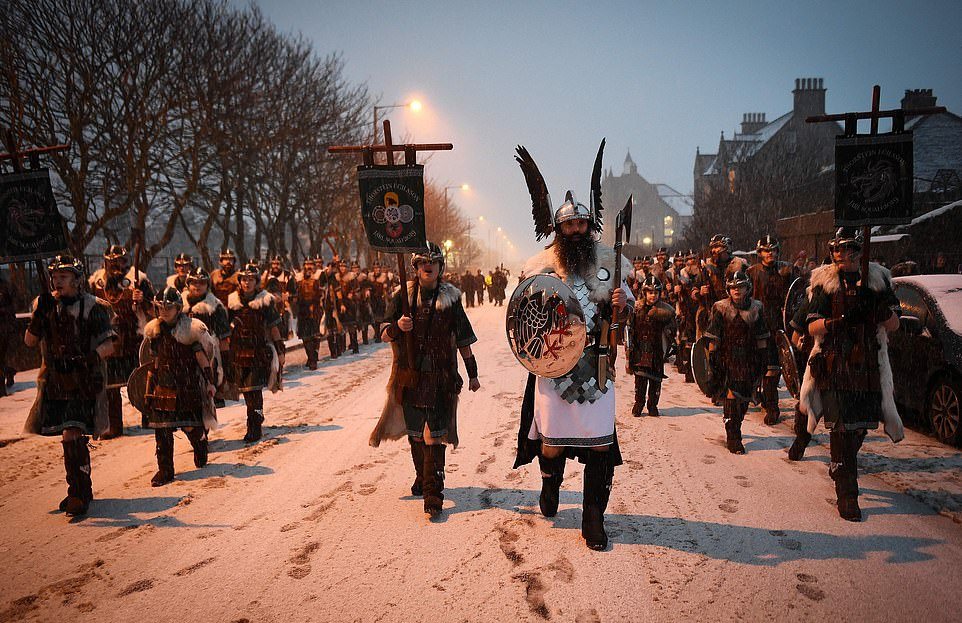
column 189, row 120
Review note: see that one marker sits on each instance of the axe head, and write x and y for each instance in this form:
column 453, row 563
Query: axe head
column 623, row 222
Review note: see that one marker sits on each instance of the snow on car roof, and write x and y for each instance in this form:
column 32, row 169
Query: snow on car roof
column 947, row 290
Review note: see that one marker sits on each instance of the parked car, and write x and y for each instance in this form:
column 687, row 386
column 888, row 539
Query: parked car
column 926, row 352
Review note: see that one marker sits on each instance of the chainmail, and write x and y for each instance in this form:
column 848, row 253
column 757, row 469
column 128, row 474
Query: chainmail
column 581, row 385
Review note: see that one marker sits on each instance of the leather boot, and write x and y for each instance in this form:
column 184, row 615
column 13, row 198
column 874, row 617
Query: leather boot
column 433, row 479
column 417, row 457
column 198, row 441
column 354, row 346
column 843, row 449
column 654, row 393
column 255, row 417
column 76, row 462
column 165, row 457
column 770, row 399
column 802, row 436
column 115, row 415
column 598, row 476
column 364, row 335
column 552, row 475
column 733, row 426
column 641, row 386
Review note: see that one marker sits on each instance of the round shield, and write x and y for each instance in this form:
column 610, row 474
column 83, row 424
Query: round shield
column 794, row 299
column 705, row 377
column 546, row 327
column 786, row 357
column 137, row 387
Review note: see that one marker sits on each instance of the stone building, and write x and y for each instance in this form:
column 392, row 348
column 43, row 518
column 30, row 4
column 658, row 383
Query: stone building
column 659, row 213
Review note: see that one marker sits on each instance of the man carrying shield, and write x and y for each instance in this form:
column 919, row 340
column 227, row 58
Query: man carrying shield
column 574, row 415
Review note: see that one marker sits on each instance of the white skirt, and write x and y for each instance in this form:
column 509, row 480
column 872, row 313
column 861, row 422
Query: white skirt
column 560, row 423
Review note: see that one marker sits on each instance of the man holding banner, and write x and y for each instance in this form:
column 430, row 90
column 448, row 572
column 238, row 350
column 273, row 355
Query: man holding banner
column 74, row 332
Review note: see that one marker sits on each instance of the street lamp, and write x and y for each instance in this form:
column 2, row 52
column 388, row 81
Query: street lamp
column 414, row 105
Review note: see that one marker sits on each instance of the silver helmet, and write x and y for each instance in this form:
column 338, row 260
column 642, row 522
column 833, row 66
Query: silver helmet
column 570, row 210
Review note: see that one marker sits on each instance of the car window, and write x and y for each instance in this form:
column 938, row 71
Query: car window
column 911, row 302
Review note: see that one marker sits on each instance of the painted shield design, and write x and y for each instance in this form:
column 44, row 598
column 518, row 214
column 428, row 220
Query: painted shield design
column 545, row 325
column 786, row 357
column 707, row 382
column 794, row 299
column 137, row 387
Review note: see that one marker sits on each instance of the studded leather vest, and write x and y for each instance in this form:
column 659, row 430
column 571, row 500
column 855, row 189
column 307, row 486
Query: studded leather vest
column 770, row 286
column 647, row 349
column 68, row 375
column 738, row 349
column 851, row 353
column 175, row 368
column 125, row 322
column 308, row 296
column 434, row 353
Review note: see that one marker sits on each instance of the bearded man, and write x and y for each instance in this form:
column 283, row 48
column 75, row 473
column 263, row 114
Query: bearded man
column 574, row 415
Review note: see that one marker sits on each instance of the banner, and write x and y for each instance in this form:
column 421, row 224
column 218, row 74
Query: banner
column 30, row 226
column 873, row 180
column 392, row 207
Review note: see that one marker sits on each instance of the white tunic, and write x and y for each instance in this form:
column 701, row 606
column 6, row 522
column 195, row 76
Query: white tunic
column 558, row 422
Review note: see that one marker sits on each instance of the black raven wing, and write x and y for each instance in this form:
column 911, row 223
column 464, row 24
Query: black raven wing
column 538, row 189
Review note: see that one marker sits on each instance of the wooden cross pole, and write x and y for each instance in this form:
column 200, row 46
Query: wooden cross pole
column 410, row 157
column 898, row 116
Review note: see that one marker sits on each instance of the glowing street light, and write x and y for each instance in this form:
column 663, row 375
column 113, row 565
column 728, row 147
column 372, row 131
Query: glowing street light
column 413, row 105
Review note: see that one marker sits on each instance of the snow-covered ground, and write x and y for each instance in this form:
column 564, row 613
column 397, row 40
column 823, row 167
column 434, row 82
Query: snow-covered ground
column 312, row 524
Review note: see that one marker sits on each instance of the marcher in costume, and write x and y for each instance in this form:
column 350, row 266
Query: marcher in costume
column 714, row 274
column 183, row 264
column 129, row 293
column 738, row 353
column 848, row 382
column 223, row 281
column 771, row 279
column 650, row 331
column 425, row 397
column 8, row 319
column 280, row 283
column 365, row 314
column 332, row 312
column 75, row 334
column 381, row 285
column 467, row 285
column 309, row 310
column 180, row 383
column 802, row 342
column 257, row 350
column 574, row 416
column 348, row 307
column 200, row 303
column 686, row 311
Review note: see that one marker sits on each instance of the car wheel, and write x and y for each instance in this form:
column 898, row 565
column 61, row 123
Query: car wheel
column 943, row 406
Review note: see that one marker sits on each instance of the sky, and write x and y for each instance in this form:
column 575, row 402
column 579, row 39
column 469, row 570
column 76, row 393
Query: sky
column 658, row 78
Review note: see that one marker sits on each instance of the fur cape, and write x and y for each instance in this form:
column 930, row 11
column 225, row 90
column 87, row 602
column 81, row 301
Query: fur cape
column 33, row 424
column 728, row 310
column 547, row 261
column 207, row 305
column 810, row 399
column 172, row 280
column 262, row 299
column 391, row 426
column 187, row 331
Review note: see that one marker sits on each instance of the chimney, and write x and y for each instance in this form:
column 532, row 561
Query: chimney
column 809, row 97
column 752, row 122
column 918, row 98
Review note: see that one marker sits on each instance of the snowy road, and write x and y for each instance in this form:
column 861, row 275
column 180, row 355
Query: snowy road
column 313, row 525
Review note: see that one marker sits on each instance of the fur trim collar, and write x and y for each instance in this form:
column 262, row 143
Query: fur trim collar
column 207, row 305
column 262, row 299
column 826, row 277
column 448, row 294
column 187, row 330
column 547, row 262
column 749, row 315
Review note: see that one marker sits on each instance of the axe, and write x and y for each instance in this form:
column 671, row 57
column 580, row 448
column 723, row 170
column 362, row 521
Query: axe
column 611, row 327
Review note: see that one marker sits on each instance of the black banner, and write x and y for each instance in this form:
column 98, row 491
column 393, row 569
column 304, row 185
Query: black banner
column 31, row 228
column 873, row 179
column 392, row 207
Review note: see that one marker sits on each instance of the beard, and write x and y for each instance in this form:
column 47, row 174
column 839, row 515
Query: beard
column 577, row 253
